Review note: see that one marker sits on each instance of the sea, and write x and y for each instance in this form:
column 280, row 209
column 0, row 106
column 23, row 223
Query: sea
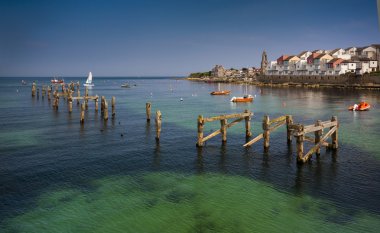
column 57, row 175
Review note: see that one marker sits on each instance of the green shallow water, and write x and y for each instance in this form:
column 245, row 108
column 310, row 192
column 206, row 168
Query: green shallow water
column 172, row 202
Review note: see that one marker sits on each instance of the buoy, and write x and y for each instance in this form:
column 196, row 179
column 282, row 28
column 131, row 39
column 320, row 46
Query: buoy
column 181, row 99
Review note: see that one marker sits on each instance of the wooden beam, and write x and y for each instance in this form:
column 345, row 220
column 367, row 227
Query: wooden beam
column 273, row 128
column 260, row 136
column 314, row 149
column 278, row 119
column 200, row 123
column 219, row 131
column 289, row 121
column 221, row 117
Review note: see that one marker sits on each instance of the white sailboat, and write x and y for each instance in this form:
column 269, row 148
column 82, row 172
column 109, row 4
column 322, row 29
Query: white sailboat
column 89, row 81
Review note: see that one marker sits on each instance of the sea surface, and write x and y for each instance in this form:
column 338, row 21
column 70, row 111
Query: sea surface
column 57, row 175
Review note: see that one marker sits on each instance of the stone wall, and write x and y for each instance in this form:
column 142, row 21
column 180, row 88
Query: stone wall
column 329, row 80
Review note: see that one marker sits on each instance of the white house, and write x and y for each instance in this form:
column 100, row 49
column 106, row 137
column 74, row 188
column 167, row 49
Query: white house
column 351, row 51
column 369, row 52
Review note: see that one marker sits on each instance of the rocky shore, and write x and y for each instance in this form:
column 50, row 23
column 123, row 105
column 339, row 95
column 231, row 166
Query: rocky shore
column 367, row 81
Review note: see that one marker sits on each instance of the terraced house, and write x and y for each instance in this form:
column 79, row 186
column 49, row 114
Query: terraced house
column 358, row 60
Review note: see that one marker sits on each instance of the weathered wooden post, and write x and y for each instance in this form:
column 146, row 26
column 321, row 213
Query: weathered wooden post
column 105, row 114
column 200, row 130
column 33, row 89
column 289, row 121
column 147, row 106
column 247, row 125
column 78, row 95
column 56, row 100
column 113, row 106
column 334, row 136
column 86, row 97
column 317, row 135
column 223, row 129
column 158, row 125
column 43, row 91
column 38, row 93
column 299, row 144
column 266, row 131
column 102, row 104
column 49, row 92
column 96, row 104
column 82, row 107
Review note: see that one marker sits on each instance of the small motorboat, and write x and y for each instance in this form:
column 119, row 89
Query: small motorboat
column 225, row 92
column 126, row 85
column 245, row 98
column 363, row 106
column 219, row 92
column 56, row 81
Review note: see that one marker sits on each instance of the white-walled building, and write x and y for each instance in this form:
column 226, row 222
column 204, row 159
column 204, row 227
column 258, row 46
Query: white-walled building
column 327, row 62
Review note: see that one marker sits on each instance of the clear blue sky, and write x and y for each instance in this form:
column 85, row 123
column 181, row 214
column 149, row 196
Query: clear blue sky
column 171, row 37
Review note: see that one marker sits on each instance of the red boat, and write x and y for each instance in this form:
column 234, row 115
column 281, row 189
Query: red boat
column 363, row 106
column 56, row 81
column 245, row 98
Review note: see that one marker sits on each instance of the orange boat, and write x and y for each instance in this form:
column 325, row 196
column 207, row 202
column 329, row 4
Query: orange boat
column 245, row 98
column 363, row 106
column 226, row 92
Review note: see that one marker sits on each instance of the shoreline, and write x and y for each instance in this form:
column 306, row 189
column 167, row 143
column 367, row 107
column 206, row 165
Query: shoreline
column 286, row 82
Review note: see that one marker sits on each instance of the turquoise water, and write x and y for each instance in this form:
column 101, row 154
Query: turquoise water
column 59, row 176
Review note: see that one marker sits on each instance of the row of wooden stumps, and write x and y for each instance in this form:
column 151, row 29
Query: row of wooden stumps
column 298, row 131
column 67, row 92
column 158, row 120
column 246, row 115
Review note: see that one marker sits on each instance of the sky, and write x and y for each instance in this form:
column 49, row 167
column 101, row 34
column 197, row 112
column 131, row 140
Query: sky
column 137, row 38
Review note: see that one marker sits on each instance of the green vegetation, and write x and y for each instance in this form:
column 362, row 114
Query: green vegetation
column 200, row 74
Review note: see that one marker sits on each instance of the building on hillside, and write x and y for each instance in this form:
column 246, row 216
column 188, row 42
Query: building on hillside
column 351, row 51
column 366, row 65
column 290, row 64
column 218, row 71
column 334, row 67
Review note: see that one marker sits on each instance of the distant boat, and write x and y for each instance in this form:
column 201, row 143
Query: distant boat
column 89, row 81
column 126, row 85
column 219, row 92
column 363, row 106
column 245, row 98
column 56, row 81
column 23, row 82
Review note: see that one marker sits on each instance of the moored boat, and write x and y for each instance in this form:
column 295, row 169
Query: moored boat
column 362, row 106
column 56, row 81
column 219, row 92
column 225, row 92
column 245, row 98
column 126, row 85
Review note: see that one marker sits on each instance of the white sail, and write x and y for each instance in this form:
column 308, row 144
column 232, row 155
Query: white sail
column 89, row 80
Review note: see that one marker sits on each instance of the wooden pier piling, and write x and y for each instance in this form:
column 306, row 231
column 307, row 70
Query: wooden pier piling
column 289, row 121
column 86, row 95
column 78, row 95
column 158, row 125
column 82, row 112
column 113, row 106
column 299, row 145
column 334, row 136
column 247, row 125
column 266, row 133
column 223, row 129
column 102, row 105
column 96, row 105
column 148, row 106
column 317, row 135
column 105, row 113
column 70, row 105
column 34, row 89
column 200, row 130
